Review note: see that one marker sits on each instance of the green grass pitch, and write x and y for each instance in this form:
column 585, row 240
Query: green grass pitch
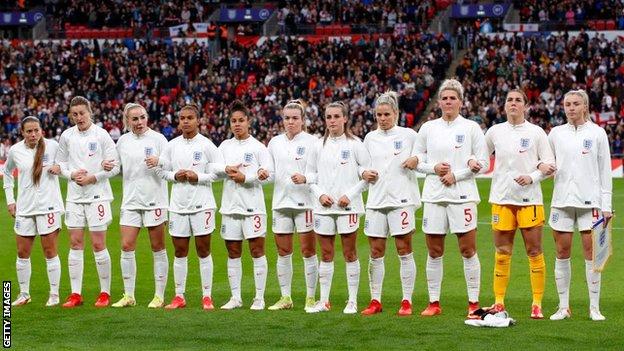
column 37, row 327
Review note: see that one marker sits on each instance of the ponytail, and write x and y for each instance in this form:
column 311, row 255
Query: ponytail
column 37, row 167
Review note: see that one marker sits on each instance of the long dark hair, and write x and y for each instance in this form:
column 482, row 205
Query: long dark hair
column 37, row 168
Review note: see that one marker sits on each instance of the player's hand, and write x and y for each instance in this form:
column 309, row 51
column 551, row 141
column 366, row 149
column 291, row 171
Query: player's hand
column 78, row 173
column 344, row 201
column 524, row 180
column 263, row 174
column 448, row 179
column 474, row 165
column 108, row 165
column 151, row 161
column 410, row 163
column 370, row 176
column 547, row 169
column 12, row 209
column 230, row 170
column 238, row 177
column 86, row 180
column 442, row 168
column 191, row 177
column 180, row 175
column 326, row 200
column 298, row 178
column 54, row 170
column 607, row 216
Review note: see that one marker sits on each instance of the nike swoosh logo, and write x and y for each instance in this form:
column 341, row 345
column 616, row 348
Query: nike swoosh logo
column 195, row 164
column 91, row 155
column 343, row 163
column 457, row 147
column 585, row 152
column 298, row 158
column 521, row 151
column 397, row 153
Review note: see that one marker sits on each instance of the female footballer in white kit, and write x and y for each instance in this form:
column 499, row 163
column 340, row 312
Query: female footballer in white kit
column 39, row 205
column 144, row 202
column 242, row 207
column 451, row 150
column 292, row 204
column 334, row 171
column 523, row 159
column 393, row 197
column 87, row 157
column 191, row 161
column 582, row 194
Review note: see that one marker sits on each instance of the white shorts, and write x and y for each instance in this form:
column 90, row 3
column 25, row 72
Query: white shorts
column 237, row 227
column 143, row 218
column 440, row 218
column 381, row 223
column 566, row 219
column 95, row 215
column 334, row 223
column 285, row 221
column 38, row 224
column 185, row 225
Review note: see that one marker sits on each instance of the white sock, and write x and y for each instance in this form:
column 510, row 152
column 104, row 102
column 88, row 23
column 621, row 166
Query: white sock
column 180, row 270
column 161, row 272
column 235, row 273
column 408, row 275
column 54, row 274
column 75, row 265
column 326, row 273
column 284, row 274
column 434, row 277
column 311, row 267
column 593, row 284
column 205, row 272
column 24, row 270
column 472, row 274
column 103, row 265
column 376, row 272
column 260, row 275
column 128, row 271
column 353, row 279
column 562, row 281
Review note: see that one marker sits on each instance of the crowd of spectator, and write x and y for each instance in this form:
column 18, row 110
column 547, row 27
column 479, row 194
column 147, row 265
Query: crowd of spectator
column 545, row 68
column 382, row 15
column 40, row 80
column 570, row 12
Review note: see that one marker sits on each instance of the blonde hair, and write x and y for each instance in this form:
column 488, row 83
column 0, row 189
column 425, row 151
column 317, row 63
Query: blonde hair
column 81, row 100
column 453, row 85
column 297, row 104
column 130, row 106
column 345, row 112
column 390, row 98
column 583, row 94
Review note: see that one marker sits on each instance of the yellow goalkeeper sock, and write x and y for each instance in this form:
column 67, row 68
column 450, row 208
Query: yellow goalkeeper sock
column 502, row 266
column 537, row 268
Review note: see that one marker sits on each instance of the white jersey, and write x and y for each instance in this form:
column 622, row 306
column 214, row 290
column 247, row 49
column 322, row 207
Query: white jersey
column 32, row 199
column 199, row 155
column 455, row 143
column 86, row 150
column 143, row 189
column 519, row 150
column 396, row 186
column 583, row 177
column 246, row 198
column 335, row 169
column 290, row 157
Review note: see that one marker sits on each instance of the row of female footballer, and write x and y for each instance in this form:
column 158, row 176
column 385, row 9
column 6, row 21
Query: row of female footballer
column 318, row 185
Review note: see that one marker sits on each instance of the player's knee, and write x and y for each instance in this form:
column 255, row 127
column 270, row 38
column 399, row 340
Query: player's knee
column 468, row 252
column 49, row 252
column 257, row 251
column 97, row 247
column 533, row 251
column 308, row 252
column 327, row 256
column 564, row 253
column 181, row 252
column 350, row 256
column 158, row 246
column 435, row 252
column 504, row 250
column 284, row 251
column 23, row 253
